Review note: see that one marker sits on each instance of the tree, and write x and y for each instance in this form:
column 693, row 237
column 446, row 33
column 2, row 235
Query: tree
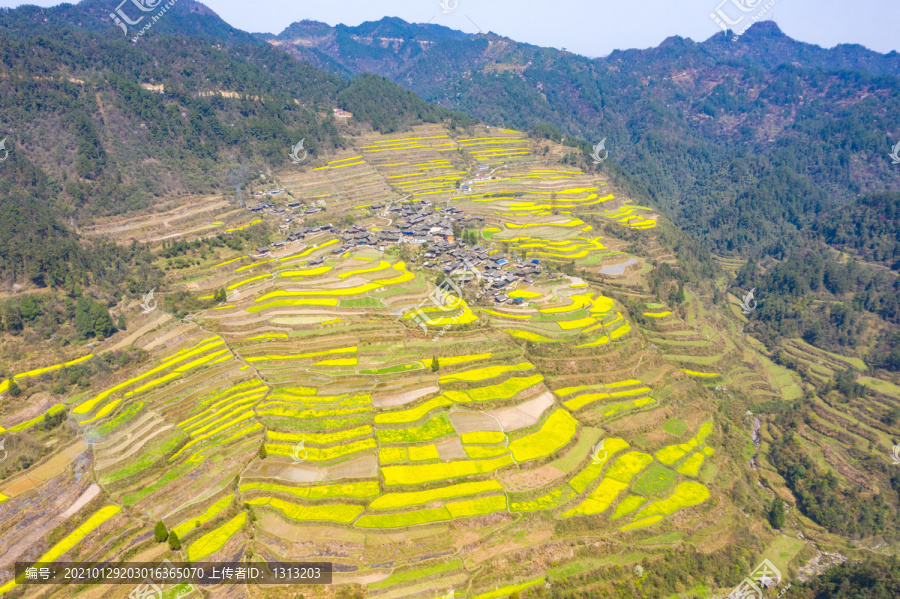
column 262, row 451
column 174, row 543
column 14, row 389
column 83, row 322
column 160, row 534
column 435, row 364
column 29, row 308
column 120, row 324
column 776, row 513
column 12, row 317
column 220, row 296
column 102, row 322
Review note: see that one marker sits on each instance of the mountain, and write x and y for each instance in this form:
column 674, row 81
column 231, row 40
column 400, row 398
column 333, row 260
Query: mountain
column 454, row 359
column 188, row 18
column 743, row 142
column 768, row 47
column 179, row 112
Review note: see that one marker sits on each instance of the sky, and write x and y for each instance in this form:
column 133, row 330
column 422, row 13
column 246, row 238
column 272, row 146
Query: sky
column 588, row 27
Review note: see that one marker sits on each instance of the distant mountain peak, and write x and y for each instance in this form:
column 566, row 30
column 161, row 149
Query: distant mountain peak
column 766, row 28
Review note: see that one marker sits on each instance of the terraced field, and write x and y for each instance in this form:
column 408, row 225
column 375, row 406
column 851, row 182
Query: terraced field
column 309, row 416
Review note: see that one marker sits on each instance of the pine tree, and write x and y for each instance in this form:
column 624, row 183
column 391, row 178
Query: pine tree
column 14, row 390
column 776, row 513
column 83, row 322
column 435, row 364
column 174, row 543
column 160, row 534
column 120, row 324
column 102, row 322
column 262, row 451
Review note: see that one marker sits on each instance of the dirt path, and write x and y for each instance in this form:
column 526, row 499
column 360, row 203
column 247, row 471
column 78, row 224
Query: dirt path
column 82, row 501
column 159, row 321
column 121, row 228
column 106, row 463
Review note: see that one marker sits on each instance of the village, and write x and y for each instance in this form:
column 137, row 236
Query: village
column 421, row 224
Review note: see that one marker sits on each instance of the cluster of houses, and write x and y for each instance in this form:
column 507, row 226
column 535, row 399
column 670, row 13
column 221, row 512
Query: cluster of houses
column 421, row 223
column 292, row 206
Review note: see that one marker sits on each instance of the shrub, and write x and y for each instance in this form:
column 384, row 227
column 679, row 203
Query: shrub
column 174, row 543
column 160, row 534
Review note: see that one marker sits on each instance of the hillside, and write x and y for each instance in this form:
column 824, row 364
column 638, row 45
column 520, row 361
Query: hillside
column 742, row 142
column 453, row 357
column 135, row 123
column 592, row 420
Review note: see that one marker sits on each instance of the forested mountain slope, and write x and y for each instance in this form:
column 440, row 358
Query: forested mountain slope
column 742, row 142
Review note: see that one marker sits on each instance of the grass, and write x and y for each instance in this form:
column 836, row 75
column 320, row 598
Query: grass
column 337, row 362
column 394, row 501
column 524, row 294
column 276, row 408
column 323, row 454
column 642, row 523
column 354, row 490
column 418, row 474
column 855, row 362
column 321, row 438
column 480, row 374
column 393, row 369
column 328, row 352
column 170, row 476
column 593, row 470
column 333, row 512
column 699, row 374
column 144, row 461
column 83, row 530
column 454, row 360
column 599, row 500
column 675, row 426
column 628, row 505
column 478, row 452
column 197, row 349
column 570, row 390
column 412, row 414
column 216, row 539
column 529, row 336
column 578, row 402
column 361, row 302
column 37, row 419
column 410, row 575
column 286, row 303
column 211, row 512
column 686, row 494
column 70, row 540
column 670, row 454
column 568, row 325
column 483, row 437
column 628, row 466
column 550, row 501
column 435, row 428
column 510, row 589
column 657, row 479
column 505, row 390
column 457, row 509
column 420, row 516
column 880, row 385
column 692, row 465
column 556, row 432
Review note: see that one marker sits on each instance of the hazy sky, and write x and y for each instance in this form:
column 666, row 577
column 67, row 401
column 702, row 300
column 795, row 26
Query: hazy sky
column 592, row 28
